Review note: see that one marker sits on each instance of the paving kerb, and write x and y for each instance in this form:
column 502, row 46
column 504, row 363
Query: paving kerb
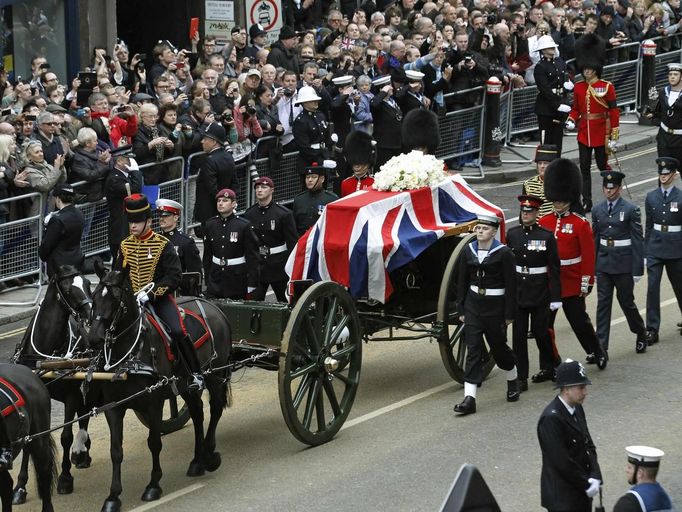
column 632, row 136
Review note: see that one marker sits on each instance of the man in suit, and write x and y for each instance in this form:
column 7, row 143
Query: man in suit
column 617, row 230
column 570, row 475
column 663, row 242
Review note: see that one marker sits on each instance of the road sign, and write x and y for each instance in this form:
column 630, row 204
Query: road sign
column 267, row 13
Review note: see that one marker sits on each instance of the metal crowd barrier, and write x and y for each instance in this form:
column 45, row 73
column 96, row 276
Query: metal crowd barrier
column 19, row 242
column 624, row 76
column 522, row 118
column 286, row 177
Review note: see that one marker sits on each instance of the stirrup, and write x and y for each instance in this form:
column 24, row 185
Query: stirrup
column 196, row 382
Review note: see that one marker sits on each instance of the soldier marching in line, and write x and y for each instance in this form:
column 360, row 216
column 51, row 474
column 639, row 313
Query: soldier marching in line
column 538, row 289
column 617, row 229
column 230, row 251
column 667, row 114
column 535, row 186
column 663, row 242
column 553, row 84
column 276, row 231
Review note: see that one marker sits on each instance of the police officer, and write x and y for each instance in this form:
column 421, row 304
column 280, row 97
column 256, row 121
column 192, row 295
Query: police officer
column 663, row 242
column 535, row 185
column 150, row 258
column 217, row 172
column 124, row 179
column 570, row 475
column 576, row 253
column 667, row 113
column 487, row 295
column 411, row 95
column 310, row 129
column 360, row 156
column 617, row 229
column 169, row 215
column 230, row 252
column 387, row 118
column 309, row 204
column 61, row 243
column 538, row 288
column 276, row 231
column 647, row 494
column 551, row 104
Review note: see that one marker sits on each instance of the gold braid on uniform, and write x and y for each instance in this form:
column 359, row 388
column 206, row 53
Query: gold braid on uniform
column 144, row 256
column 536, row 187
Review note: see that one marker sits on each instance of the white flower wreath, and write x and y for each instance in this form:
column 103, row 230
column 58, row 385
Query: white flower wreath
column 410, row 171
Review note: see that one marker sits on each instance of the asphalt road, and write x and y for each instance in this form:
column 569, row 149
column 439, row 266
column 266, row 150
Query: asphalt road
column 403, row 445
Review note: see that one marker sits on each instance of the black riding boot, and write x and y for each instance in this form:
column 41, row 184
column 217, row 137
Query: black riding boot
column 189, row 354
column 5, row 447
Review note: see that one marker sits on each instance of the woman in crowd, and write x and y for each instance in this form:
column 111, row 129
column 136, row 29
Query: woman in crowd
column 363, row 114
column 150, row 146
column 89, row 165
column 41, row 176
column 172, row 130
column 266, row 111
column 247, row 126
column 8, row 167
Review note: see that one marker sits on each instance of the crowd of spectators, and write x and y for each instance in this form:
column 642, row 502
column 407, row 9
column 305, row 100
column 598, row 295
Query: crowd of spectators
column 55, row 128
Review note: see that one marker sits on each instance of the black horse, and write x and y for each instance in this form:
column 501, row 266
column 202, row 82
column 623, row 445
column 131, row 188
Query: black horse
column 132, row 342
column 25, row 406
column 59, row 330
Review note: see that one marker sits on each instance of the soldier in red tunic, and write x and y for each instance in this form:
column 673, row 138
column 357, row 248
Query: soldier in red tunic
column 594, row 111
column 576, row 253
column 361, row 157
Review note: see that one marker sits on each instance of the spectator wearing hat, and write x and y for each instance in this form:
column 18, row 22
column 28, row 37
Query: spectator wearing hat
column 169, row 213
column 276, row 231
column 551, row 103
column 538, row 290
column 570, row 475
column 411, row 95
column 217, row 172
column 230, row 251
column 667, row 113
column 309, row 204
column 310, row 129
column 617, row 228
column 61, row 242
column 486, row 298
column 283, row 53
column 259, row 38
column 387, row 117
column 663, row 242
column 535, row 185
column 124, row 179
column 646, row 493
column 360, row 156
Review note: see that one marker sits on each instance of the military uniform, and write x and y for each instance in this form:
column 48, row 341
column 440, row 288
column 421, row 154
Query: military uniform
column 617, row 230
column 646, row 495
column 534, row 186
column 663, row 245
column 230, row 257
column 311, row 133
column 216, row 173
column 387, row 118
column 61, row 243
column 409, row 100
column 308, row 206
column 537, row 284
column 118, row 185
column 353, row 184
column 550, row 76
column 276, row 231
column 667, row 114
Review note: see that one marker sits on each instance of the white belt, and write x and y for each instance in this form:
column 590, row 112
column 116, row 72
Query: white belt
column 667, row 228
column 572, row 261
column 317, row 145
column 671, row 131
column 531, row 270
column 487, row 291
column 610, row 242
column 278, row 249
column 228, row 262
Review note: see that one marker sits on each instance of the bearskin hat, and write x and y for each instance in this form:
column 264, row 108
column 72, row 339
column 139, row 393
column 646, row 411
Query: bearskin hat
column 359, row 149
column 563, row 181
column 420, row 130
column 590, row 52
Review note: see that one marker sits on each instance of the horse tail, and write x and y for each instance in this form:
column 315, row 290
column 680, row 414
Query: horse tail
column 44, row 455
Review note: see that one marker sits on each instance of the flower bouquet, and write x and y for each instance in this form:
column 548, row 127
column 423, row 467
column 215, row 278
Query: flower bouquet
column 410, row 171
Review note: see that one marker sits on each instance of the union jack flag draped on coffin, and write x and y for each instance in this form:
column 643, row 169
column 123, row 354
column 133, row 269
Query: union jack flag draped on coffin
column 362, row 237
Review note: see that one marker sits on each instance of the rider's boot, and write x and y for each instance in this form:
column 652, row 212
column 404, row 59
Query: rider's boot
column 190, row 356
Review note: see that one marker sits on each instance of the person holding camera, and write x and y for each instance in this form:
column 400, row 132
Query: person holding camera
column 247, row 127
column 287, row 110
column 150, row 146
column 468, row 71
column 111, row 125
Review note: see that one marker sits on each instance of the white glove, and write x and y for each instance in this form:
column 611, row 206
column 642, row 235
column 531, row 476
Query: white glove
column 637, row 279
column 335, row 138
column 613, row 145
column 565, row 109
column 570, row 125
column 568, row 85
column 593, row 489
column 142, row 297
column 250, row 289
column 553, row 306
column 48, row 217
column 133, row 165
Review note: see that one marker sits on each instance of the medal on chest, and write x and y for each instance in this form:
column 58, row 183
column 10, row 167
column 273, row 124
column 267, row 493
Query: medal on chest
column 673, row 206
column 567, row 228
column 536, row 245
column 272, row 224
column 233, row 236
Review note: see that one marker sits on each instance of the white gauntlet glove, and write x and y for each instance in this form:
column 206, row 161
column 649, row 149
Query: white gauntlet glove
column 637, row 279
column 585, row 285
column 568, row 85
column 570, row 125
column 564, row 109
column 613, row 145
column 142, row 297
column 553, row 306
column 593, row 489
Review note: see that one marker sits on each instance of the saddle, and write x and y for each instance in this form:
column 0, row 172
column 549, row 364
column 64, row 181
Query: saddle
column 10, row 399
column 195, row 326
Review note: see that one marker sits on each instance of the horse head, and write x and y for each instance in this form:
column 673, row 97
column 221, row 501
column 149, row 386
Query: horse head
column 114, row 307
column 74, row 290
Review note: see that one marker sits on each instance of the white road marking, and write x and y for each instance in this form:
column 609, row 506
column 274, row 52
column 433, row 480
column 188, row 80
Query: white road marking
column 168, row 497
column 622, row 319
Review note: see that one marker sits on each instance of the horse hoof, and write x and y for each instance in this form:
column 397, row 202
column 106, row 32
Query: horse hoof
column 111, row 505
column 64, row 485
column 151, row 494
column 213, row 461
column 195, row 469
column 19, row 497
column 81, row 460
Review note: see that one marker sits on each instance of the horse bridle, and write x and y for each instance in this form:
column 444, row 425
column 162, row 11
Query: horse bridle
column 74, row 311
